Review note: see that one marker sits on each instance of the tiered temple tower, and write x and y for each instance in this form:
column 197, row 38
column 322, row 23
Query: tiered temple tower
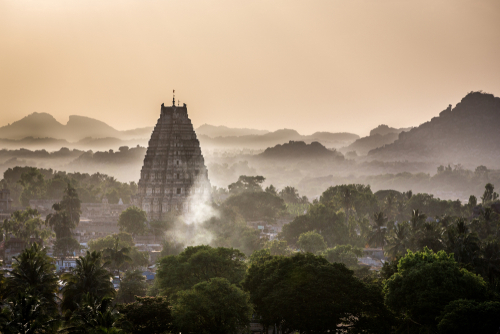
column 174, row 173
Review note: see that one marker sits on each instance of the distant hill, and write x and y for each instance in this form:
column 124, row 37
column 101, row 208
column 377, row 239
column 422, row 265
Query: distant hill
column 275, row 138
column 363, row 145
column 467, row 134
column 383, row 130
column 224, row 131
column 44, row 125
column 296, row 150
column 380, row 136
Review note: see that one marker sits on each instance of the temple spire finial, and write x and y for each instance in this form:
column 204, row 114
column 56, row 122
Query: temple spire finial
column 173, row 99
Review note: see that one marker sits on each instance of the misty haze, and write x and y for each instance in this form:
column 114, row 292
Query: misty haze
column 250, row 167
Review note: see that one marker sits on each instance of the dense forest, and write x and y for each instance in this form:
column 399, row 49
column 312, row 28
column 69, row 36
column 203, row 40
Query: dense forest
column 442, row 273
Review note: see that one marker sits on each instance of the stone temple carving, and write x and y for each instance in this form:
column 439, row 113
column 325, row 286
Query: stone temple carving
column 174, row 174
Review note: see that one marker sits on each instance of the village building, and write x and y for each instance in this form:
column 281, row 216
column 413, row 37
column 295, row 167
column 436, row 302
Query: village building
column 174, row 170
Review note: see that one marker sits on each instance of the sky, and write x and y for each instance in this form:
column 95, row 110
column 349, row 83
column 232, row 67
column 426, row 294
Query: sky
column 332, row 65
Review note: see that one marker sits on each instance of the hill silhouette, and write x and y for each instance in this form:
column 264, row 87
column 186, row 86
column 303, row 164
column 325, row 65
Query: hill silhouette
column 467, row 134
column 296, row 150
column 224, row 131
column 277, row 137
column 44, row 125
column 380, row 136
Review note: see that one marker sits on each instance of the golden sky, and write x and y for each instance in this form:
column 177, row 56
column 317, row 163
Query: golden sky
column 318, row 65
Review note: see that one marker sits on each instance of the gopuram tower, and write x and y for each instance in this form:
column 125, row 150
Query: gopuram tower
column 174, row 173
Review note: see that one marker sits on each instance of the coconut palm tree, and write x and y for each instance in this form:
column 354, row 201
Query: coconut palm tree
column 464, row 245
column 379, row 230
column 398, row 243
column 26, row 314
column 93, row 315
column 430, row 236
column 117, row 257
column 34, row 273
column 88, row 277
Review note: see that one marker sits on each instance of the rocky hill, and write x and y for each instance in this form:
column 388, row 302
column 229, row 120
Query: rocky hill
column 44, row 125
column 467, row 134
column 380, row 136
column 296, row 150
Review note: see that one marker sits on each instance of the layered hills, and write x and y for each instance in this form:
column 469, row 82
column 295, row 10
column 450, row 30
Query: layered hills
column 278, row 137
column 44, row 125
column 380, row 136
column 224, row 131
column 43, row 131
column 467, row 134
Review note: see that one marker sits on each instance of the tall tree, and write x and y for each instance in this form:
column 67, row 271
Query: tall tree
column 425, row 283
column 117, row 256
column 89, row 276
column 133, row 220
column 93, row 315
column 199, row 264
column 26, row 314
column 379, row 230
column 147, row 315
column 212, row 307
column 307, row 294
column 34, row 274
column 133, row 284
column 398, row 243
column 311, row 242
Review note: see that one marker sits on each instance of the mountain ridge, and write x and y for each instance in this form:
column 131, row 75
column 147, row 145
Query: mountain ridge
column 466, row 134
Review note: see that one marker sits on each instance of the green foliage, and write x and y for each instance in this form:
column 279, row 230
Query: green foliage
column 377, row 236
column 345, row 254
column 246, row 184
column 26, row 183
column 320, row 218
column 133, row 284
column 311, row 242
column 26, row 314
column 212, row 307
column 88, row 277
column 33, row 273
column 306, row 293
column 117, row 256
column 25, row 225
column 426, row 282
column 256, row 205
column 198, row 264
column 133, row 220
column 278, row 248
column 231, row 231
column 468, row 316
column 146, row 315
column 124, row 240
column 93, row 315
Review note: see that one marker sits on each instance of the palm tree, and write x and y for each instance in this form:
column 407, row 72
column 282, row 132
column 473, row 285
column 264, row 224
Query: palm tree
column 464, row 245
column 430, row 236
column 491, row 261
column 26, row 314
column 417, row 219
column 93, row 315
column 117, row 257
column 346, row 195
column 399, row 243
column 390, row 203
column 34, row 274
column 378, row 234
column 88, row 277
